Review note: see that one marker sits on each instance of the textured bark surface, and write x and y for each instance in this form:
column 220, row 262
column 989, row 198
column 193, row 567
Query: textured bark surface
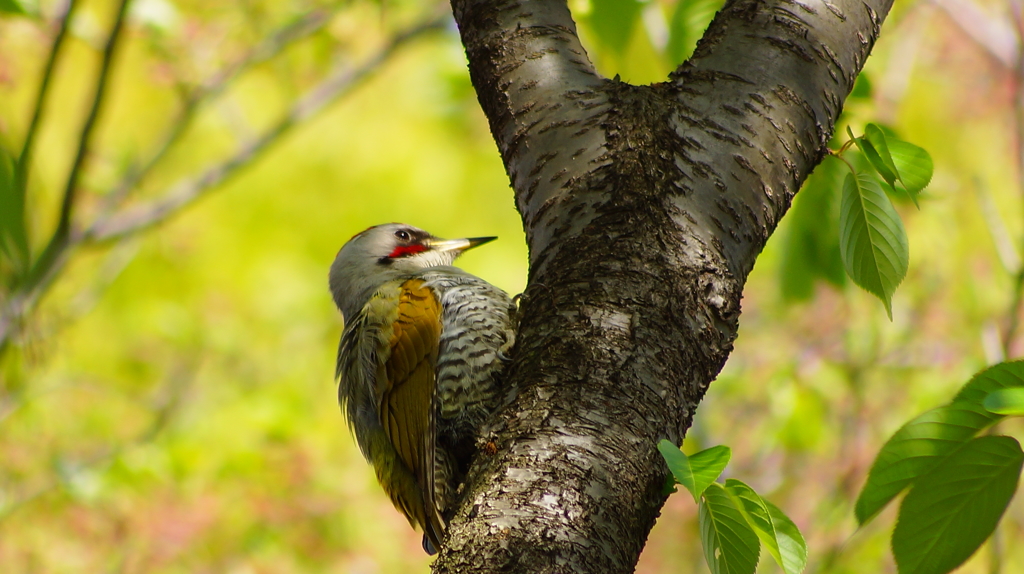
column 644, row 208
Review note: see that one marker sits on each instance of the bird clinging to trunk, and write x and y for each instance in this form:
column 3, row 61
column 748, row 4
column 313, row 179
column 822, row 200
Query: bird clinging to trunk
column 420, row 362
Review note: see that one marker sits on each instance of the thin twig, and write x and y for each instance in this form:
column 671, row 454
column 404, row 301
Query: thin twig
column 21, row 301
column 1004, row 244
column 129, row 221
column 115, row 261
column 60, row 239
column 51, row 263
column 1016, row 67
column 144, row 216
column 45, row 268
column 302, row 28
column 1013, row 315
column 25, row 158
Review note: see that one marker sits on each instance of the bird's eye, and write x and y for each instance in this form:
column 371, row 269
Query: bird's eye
column 402, row 234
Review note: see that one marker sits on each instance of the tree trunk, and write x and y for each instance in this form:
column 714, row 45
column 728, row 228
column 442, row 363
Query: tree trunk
column 644, row 208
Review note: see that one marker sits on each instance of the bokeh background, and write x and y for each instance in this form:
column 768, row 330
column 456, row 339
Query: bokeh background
column 168, row 406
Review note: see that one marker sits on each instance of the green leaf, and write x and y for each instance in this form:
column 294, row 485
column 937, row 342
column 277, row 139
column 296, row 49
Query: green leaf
column 811, row 244
column 896, row 160
column 872, row 240
column 950, row 511
column 688, row 24
column 11, row 7
column 792, row 546
column 756, row 512
column 926, row 440
column 785, row 544
column 917, row 448
column 1006, row 402
column 697, row 471
column 1009, row 375
column 878, row 154
column 730, row 544
column 914, row 166
column 613, row 22
column 875, row 160
column 774, row 529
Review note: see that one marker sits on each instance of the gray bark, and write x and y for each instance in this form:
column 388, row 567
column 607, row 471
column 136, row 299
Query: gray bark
column 644, row 209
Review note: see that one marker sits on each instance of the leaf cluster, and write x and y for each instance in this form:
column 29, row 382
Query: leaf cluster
column 959, row 483
column 872, row 241
column 734, row 519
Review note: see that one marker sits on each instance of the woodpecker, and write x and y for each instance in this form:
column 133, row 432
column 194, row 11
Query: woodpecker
column 419, row 362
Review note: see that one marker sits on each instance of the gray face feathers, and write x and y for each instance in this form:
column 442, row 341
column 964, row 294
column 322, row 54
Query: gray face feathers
column 386, row 252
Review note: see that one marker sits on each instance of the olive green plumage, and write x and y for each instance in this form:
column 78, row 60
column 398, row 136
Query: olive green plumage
column 419, row 362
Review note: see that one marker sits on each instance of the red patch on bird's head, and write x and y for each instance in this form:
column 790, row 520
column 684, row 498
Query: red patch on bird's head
column 403, row 250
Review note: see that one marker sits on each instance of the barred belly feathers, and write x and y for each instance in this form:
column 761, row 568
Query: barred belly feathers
column 420, row 363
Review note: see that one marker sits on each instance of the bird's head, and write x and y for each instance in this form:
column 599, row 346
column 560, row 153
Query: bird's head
column 384, row 252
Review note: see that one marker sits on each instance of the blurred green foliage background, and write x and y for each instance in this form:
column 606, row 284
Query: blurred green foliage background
column 169, row 407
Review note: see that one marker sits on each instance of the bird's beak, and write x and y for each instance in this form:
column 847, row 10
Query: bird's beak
column 457, row 245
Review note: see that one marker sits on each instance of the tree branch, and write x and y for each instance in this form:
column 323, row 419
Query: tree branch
column 183, row 194
column 541, row 95
column 302, row 28
column 751, row 66
column 116, row 226
column 25, row 158
column 644, row 208
column 61, row 236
